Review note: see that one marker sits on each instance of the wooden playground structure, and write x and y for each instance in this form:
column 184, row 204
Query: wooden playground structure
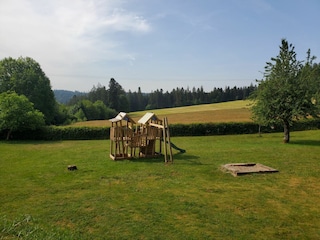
column 150, row 138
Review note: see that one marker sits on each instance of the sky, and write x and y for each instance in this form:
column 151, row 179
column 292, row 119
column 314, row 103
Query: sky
column 156, row 44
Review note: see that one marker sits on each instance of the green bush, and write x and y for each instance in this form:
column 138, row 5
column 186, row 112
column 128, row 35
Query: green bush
column 53, row 133
column 207, row 129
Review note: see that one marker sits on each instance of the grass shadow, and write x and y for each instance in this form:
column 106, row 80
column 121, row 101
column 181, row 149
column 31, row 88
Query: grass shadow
column 176, row 157
column 147, row 160
column 181, row 156
column 191, row 159
column 307, row 142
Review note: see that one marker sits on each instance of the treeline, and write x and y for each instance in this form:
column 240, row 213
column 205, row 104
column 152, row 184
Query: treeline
column 185, row 97
column 117, row 99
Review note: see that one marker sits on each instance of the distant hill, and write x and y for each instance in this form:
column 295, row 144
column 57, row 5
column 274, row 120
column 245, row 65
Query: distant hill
column 63, row 96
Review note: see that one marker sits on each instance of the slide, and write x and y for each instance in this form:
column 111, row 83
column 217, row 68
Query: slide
column 177, row 148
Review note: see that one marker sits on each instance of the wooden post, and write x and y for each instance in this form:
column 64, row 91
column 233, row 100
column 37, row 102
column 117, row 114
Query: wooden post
column 169, row 141
column 111, row 139
column 165, row 142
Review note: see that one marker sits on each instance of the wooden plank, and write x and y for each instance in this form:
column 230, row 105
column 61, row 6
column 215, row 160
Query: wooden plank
column 165, row 144
column 156, row 125
column 166, row 125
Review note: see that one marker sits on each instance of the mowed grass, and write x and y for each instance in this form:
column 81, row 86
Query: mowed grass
column 146, row 199
column 234, row 111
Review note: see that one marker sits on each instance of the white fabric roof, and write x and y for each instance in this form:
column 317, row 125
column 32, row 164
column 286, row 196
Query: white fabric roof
column 147, row 117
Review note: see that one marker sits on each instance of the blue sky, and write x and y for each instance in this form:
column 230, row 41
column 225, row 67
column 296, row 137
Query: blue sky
column 156, row 44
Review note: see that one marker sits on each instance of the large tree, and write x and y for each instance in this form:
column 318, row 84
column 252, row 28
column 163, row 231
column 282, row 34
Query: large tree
column 18, row 113
column 287, row 92
column 25, row 76
column 117, row 98
column 98, row 92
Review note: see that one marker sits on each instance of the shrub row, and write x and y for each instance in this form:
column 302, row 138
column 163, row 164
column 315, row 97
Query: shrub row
column 53, row 133
column 207, row 129
column 201, row 129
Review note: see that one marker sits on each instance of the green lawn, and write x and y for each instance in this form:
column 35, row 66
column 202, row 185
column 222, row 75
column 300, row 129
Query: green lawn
column 146, row 199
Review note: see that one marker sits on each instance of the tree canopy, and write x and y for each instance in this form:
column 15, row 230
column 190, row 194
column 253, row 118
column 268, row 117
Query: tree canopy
column 25, row 76
column 18, row 113
column 287, row 92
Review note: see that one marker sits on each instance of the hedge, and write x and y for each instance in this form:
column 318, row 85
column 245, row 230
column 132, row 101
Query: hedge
column 207, row 129
column 54, row 133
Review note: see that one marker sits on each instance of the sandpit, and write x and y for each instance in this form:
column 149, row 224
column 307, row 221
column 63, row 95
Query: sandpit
column 246, row 168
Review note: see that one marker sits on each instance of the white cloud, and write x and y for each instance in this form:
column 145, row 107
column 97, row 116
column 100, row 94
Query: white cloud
column 121, row 20
column 66, row 36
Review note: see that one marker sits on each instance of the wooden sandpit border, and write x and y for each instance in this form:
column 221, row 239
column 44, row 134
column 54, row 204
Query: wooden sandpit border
column 246, row 168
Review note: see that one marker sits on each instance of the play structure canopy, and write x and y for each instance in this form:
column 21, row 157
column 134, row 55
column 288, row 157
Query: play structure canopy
column 147, row 117
column 122, row 116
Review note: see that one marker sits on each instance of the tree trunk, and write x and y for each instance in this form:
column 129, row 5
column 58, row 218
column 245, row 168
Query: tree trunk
column 286, row 131
column 9, row 134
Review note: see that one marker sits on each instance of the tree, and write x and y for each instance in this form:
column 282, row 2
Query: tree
column 284, row 95
column 104, row 111
column 18, row 113
column 117, row 96
column 98, row 93
column 25, row 76
column 62, row 116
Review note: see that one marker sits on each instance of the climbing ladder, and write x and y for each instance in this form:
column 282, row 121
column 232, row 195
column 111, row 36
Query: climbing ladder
column 167, row 142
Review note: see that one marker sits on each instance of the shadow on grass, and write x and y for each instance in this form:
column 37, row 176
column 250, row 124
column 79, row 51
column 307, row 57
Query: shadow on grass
column 192, row 159
column 147, row 160
column 189, row 159
column 306, row 142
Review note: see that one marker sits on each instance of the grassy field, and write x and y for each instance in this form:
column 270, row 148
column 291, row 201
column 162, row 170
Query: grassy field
column 235, row 111
column 146, row 199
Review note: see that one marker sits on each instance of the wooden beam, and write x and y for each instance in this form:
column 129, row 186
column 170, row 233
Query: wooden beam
column 156, row 125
